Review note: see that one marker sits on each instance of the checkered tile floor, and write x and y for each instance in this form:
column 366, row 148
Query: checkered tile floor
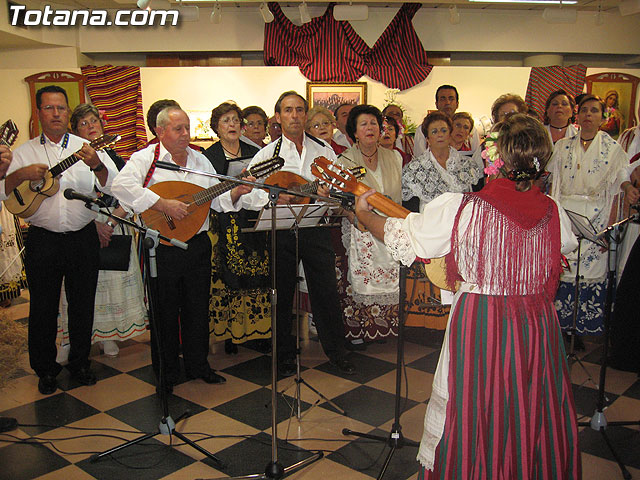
column 59, row 433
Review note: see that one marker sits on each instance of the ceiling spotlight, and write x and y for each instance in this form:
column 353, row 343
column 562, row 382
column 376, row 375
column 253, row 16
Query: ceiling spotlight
column 216, row 14
column 143, row 3
column 454, row 15
column 304, row 13
column 350, row 12
column 267, row 16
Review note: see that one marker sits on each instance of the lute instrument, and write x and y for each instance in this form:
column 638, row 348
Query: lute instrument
column 198, row 201
column 342, row 179
column 27, row 197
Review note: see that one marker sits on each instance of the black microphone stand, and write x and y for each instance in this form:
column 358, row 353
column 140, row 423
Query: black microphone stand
column 167, row 425
column 599, row 420
column 395, row 440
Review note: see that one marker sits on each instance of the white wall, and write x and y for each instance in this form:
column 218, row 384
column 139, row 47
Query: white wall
column 202, row 88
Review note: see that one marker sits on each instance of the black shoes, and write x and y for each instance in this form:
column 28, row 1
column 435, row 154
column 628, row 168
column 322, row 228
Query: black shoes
column 343, row 365
column 84, row 376
column 210, row 377
column 230, row 348
column 287, row 367
column 47, row 384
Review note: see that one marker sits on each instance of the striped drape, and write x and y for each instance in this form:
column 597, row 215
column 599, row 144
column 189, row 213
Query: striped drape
column 545, row 80
column 327, row 50
column 118, row 91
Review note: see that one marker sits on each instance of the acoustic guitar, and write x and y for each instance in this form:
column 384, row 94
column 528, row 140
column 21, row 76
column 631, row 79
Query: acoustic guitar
column 8, row 133
column 342, row 179
column 198, row 200
column 27, row 197
column 291, row 181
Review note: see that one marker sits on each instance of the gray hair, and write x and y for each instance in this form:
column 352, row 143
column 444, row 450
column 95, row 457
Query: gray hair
column 163, row 117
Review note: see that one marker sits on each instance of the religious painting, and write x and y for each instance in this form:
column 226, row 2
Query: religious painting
column 332, row 95
column 618, row 91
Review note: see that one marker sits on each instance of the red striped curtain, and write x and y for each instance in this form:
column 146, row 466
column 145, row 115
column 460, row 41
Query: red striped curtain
column 118, row 91
column 327, row 50
column 545, row 80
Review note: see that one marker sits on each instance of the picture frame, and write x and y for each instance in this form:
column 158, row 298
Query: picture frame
column 625, row 86
column 332, row 95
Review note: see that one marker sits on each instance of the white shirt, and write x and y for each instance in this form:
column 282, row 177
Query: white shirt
column 128, row 189
column 56, row 213
column 293, row 162
column 420, row 142
column 341, row 138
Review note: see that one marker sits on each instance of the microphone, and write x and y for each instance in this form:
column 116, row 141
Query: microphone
column 71, row 194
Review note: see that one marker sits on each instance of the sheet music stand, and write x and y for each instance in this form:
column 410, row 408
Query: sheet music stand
column 294, row 217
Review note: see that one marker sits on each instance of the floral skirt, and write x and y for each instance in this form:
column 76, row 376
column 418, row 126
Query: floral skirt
column 592, row 297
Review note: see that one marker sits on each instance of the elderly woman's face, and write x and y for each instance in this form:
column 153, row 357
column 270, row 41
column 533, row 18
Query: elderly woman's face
column 229, row 126
column 590, row 115
column 367, row 129
column 89, row 127
column 461, row 130
column 388, row 138
column 507, row 109
column 255, row 128
column 438, row 134
column 321, row 127
column 559, row 111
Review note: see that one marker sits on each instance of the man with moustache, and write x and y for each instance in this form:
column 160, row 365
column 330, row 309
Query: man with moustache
column 183, row 275
column 447, row 100
column 62, row 242
column 299, row 149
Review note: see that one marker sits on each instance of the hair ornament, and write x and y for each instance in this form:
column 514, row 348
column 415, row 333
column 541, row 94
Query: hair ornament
column 536, row 163
column 491, row 156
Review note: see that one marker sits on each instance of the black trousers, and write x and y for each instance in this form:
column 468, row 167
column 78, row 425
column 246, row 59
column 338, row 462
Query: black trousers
column 319, row 261
column 50, row 257
column 184, row 279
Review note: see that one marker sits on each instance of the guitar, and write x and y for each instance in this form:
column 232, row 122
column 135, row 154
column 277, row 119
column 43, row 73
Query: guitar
column 198, row 199
column 291, row 181
column 8, row 133
column 27, row 197
column 343, row 180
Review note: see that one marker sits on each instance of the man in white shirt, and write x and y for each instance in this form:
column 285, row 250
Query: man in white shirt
column 62, row 241
column 299, row 150
column 447, row 100
column 340, row 135
column 184, row 276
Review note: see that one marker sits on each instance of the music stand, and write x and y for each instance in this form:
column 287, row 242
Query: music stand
column 294, row 217
column 599, row 421
column 583, row 229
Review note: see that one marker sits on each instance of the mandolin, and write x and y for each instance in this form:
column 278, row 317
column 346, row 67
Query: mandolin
column 342, row 179
column 291, row 181
column 198, row 200
column 27, row 197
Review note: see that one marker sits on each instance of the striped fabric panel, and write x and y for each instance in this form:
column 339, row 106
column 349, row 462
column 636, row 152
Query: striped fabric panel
column 398, row 58
column 118, row 91
column 545, row 80
column 327, row 50
column 510, row 413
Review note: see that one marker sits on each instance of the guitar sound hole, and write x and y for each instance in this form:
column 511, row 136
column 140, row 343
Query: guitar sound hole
column 36, row 186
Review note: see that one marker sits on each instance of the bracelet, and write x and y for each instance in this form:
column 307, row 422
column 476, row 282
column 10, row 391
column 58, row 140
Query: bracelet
column 111, row 224
column 99, row 168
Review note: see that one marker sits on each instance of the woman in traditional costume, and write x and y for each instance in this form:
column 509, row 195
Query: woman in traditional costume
column 588, row 171
column 558, row 115
column 501, row 404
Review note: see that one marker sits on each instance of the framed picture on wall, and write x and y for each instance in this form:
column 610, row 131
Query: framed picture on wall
column 332, row 95
column 618, row 91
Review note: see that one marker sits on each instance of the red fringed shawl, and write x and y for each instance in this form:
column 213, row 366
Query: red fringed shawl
column 513, row 239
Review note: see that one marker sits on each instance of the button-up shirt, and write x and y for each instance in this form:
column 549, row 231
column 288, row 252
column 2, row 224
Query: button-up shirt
column 293, row 162
column 341, row 138
column 128, row 189
column 56, row 213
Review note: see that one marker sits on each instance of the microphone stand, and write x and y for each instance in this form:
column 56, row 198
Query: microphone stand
column 167, row 425
column 599, row 420
column 273, row 469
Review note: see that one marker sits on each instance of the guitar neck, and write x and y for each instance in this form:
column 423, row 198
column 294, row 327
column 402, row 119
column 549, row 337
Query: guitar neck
column 63, row 165
column 311, row 187
column 214, row 191
column 382, row 203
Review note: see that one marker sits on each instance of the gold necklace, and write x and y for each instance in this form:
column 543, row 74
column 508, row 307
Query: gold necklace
column 585, row 141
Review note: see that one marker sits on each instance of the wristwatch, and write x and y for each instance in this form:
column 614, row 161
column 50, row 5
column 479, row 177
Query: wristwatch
column 99, row 168
column 111, row 224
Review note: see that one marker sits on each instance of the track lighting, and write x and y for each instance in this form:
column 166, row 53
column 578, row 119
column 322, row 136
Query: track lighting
column 454, row 15
column 267, row 16
column 216, row 14
column 143, row 3
column 304, row 13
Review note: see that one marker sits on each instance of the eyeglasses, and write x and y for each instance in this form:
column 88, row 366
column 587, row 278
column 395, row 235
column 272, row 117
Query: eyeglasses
column 258, row 123
column 51, row 108
column 86, row 123
column 506, row 114
column 434, row 131
column 324, row 124
column 229, row 120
